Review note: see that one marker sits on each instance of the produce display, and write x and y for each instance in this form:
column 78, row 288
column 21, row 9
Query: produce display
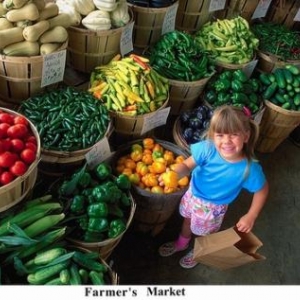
column 149, row 166
column 228, row 40
column 194, row 123
column 61, row 266
column 96, row 14
column 278, row 40
column 30, row 28
column 235, row 88
column 129, row 86
column 178, row 56
column 18, row 146
column 67, row 119
column 30, row 228
column 99, row 203
column 282, row 87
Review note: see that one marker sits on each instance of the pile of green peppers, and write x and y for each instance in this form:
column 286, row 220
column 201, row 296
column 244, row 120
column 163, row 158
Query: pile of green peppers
column 99, row 203
column 235, row 88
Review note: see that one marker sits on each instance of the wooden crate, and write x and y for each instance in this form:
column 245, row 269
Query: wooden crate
column 284, row 12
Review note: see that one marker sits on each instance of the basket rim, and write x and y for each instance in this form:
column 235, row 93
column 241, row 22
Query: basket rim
column 151, row 9
column 284, row 111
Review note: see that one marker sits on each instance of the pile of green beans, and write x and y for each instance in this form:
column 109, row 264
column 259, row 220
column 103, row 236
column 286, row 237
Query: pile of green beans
column 67, row 119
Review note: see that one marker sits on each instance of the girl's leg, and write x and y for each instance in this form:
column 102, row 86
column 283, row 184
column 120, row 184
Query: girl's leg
column 181, row 243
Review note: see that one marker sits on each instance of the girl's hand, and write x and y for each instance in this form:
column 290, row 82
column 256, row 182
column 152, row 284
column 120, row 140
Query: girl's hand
column 245, row 224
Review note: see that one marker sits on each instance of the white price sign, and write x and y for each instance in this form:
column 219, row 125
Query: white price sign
column 261, row 9
column 216, row 5
column 170, row 18
column 126, row 44
column 156, row 119
column 53, row 67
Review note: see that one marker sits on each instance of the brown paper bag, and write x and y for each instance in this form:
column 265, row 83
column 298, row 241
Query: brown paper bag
column 227, row 249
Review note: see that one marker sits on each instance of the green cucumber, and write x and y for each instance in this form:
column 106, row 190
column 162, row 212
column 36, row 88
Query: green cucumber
column 293, row 69
column 270, row 91
column 280, row 79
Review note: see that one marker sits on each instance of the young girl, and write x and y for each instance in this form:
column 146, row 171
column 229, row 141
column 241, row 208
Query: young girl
column 221, row 166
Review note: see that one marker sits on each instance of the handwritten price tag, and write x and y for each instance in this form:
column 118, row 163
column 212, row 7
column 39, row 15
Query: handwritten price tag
column 53, row 67
column 216, row 5
column 155, row 120
column 297, row 17
column 100, row 152
column 170, row 18
column 126, row 44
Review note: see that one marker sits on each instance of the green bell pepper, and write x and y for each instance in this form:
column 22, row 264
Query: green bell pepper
column 77, row 204
column 240, row 75
column 98, row 224
column 123, row 182
column 237, row 85
column 125, row 199
column 83, row 222
column 222, row 85
column 103, row 171
column 96, row 210
column 100, row 194
column 116, row 227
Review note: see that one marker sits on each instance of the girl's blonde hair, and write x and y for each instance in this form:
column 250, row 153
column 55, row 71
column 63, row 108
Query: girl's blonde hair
column 230, row 119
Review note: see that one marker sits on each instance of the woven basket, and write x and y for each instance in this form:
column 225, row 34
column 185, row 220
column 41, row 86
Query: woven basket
column 148, row 24
column 184, row 95
column 192, row 14
column 106, row 247
column 275, row 126
column 21, row 77
column 58, row 163
column 152, row 210
column 14, row 192
column 267, row 62
column 88, row 49
column 131, row 127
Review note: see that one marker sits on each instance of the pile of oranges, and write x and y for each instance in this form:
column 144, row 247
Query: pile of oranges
column 150, row 166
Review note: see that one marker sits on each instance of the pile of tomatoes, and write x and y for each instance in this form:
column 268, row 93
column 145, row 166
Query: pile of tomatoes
column 149, row 165
column 18, row 146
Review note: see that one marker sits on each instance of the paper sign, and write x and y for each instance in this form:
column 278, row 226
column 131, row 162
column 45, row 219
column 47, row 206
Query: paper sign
column 297, row 17
column 249, row 68
column 53, row 67
column 261, row 9
column 126, row 44
column 155, row 120
column 100, row 152
column 170, row 18
column 216, row 5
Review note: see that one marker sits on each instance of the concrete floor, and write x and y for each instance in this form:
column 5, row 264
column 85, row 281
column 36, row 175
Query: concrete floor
column 136, row 260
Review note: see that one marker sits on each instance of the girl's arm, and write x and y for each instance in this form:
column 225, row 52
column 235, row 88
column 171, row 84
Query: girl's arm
column 184, row 168
column 246, row 222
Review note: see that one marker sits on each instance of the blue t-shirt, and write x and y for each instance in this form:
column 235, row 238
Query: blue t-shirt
column 216, row 180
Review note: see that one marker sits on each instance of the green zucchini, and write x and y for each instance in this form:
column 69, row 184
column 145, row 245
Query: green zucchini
column 280, row 79
column 270, row 91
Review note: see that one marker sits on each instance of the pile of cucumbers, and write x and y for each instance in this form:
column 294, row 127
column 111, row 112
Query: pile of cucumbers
column 282, row 87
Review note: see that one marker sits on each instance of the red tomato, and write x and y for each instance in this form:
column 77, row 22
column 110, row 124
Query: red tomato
column 3, row 129
column 31, row 139
column 21, row 120
column 17, row 131
column 28, row 155
column 7, row 144
column 7, row 159
column 6, row 177
column 6, row 118
column 17, row 145
column 31, row 146
column 18, row 168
